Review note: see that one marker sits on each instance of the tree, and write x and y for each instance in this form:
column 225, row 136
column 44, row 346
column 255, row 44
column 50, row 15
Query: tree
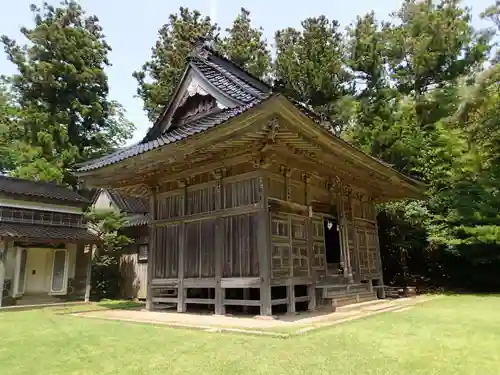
column 159, row 76
column 62, row 89
column 106, row 276
column 310, row 68
column 246, row 47
column 432, row 44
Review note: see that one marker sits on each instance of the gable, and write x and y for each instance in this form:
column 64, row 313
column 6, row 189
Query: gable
column 209, row 75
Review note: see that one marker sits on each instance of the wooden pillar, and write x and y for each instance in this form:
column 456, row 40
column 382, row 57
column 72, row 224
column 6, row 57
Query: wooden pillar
column 181, row 292
column 3, row 256
column 355, row 242
column 88, row 276
column 264, row 250
column 347, row 255
column 153, row 216
column 220, row 308
column 311, row 288
column 381, row 289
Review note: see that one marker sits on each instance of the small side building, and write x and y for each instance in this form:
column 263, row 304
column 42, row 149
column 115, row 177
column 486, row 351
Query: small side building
column 45, row 248
column 133, row 263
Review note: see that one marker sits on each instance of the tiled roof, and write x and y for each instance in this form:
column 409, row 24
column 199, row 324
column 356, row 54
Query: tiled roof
column 137, row 220
column 191, row 128
column 226, row 82
column 18, row 186
column 129, row 203
column 46, row 232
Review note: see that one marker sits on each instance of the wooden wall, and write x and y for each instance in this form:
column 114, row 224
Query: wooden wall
column 188, row 218
column 218, row 212
column 297, row 234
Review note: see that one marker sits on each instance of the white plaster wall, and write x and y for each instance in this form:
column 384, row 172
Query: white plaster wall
column 103, row 202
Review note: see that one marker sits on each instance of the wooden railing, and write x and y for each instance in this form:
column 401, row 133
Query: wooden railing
column 27, row 216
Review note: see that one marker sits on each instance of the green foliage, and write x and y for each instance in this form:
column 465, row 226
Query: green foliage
column 106, row 276
column 62, row 89
column 246, row 47
column 310, row 68
column 159, row 76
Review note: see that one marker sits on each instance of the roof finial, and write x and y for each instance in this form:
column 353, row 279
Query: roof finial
column 203, row 46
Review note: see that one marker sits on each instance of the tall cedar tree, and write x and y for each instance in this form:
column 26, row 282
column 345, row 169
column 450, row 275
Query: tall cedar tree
column 62, row 88
column 310, row 68
column 246, row 46
column 159, row 76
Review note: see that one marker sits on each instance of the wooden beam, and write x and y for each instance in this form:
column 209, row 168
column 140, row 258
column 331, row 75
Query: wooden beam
column 235, row 211
column 240, row 282
column 242, row 302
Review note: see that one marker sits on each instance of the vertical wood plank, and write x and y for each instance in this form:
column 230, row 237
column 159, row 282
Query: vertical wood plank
column 181, row 295
column 153, row 213
column 264, row 250
column 355, row 245
column 381, row 290
column 220, row 309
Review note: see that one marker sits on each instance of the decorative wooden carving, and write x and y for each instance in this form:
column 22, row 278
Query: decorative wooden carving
column 347, row 190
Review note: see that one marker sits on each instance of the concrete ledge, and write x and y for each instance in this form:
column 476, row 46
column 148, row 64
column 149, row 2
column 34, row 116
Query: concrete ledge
column 41, row 306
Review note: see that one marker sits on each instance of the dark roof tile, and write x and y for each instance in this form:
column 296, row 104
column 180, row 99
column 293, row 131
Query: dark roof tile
column 129, row 203
column 137, row 220
column 228, row 86
column 186, row 130
column 45, row 232
column 18, row 186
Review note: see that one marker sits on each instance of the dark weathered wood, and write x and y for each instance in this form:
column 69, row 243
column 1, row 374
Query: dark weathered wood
column 181, row 291
column 264, row 251
column 219, row 245
column 254, row 207
column 153, row 247
column 290, row 293
column 241, row 258
column 240, row 282
column 241, row 302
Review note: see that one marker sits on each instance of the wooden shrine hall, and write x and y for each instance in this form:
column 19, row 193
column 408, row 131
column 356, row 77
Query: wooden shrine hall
column 253, row 202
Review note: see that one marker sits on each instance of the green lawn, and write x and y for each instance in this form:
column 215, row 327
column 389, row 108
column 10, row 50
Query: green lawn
column 450, row 335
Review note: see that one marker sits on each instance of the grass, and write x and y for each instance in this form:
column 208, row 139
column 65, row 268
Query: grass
column 450, row 335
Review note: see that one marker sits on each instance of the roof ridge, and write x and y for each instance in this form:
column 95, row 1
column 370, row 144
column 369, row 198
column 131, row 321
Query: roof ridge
column 231, row 77
column 227, row 59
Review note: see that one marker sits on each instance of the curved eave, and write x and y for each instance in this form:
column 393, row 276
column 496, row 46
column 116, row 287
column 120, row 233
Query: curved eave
column 414, row 188
column 180, row 134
